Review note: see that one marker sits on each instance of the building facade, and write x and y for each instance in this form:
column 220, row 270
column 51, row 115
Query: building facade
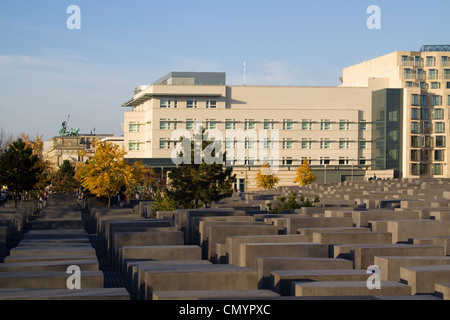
column 77, row 148
column 389, row 115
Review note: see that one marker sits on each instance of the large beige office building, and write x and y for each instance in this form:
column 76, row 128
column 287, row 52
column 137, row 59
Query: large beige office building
column 389, row 116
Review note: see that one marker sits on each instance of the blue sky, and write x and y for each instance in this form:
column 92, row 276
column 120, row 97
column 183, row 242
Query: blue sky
column 48, row 71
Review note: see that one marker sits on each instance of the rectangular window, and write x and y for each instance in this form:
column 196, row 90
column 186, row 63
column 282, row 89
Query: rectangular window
column 268, row 144
column 444, row 61
column 418, row 61
column 269, row 124
column 438, row 155
column 415, row 169
column 230, row 124
column 438, row 169
column 426, row 127
column 393, row 116
column 249, row 124
column 230, row 144
column 415, row 114
column 190, row 124
column 250, row 143
column 446, row 73
column 191, row 103
column 405, row 61
column 416, row 142
column 343, row 161
column 306, row 143
column 415, row 155
column 424, row 114
column 437, row 100
column 211, row 124
column 408, row 73
column 435, row 85
column 287, row 161
column 288, row 124
column 432, row 74
column 344, row 143
column 423, row 100
column 362, row 144
column 448, row 85
column 133, row 145
column 439, row 127
column 325, row 125
column 306, row 125
column 325, row 143
column 325, row 161
column 448, row 101
column 438, row 114
column 415, row 99
column 211, row 103
column 344, row 125
column 440, row 142
column 164, row 124
column 134, row 127
column 431, row 61
column 288, row 144
column 363, row 125
column 164, row 144
column 362, row 161
column 164, row 103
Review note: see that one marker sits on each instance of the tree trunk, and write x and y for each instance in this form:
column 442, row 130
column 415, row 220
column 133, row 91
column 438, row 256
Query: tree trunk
column 109, row 202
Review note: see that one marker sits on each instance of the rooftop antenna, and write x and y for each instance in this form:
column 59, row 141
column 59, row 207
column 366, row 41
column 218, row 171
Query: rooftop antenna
column 265, row 71
column 245, row 72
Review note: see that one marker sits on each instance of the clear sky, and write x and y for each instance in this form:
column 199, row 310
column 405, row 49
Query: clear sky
column 48, row 71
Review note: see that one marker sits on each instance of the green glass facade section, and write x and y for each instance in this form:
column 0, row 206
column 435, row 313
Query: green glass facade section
column 387, row 134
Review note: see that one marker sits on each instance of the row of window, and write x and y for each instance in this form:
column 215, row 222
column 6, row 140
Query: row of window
column 269, row 144
column 427, row 127
column 211, row 124
column 426, row 86
column 430, row 61
column 420, row 74
column 421, row 168
column 427, row 155
column 290, row 161
column 424, row 114
column 428, row 142
column 423, row 100
column 191, row 103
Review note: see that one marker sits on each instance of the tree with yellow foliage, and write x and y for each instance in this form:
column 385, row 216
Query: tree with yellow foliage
column 265, row 179
column 105, row 174
column 305, row 176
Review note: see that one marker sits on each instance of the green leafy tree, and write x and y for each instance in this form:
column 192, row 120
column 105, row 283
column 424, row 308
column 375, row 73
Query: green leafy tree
column 196, row 185
column 18, row 168
column 265, row 180
column 164, row 203
column 291, row 203
column 305, row 176
column 64, row 179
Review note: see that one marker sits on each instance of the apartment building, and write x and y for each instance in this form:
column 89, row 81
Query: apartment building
column 389, row 116
column 416, row 97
